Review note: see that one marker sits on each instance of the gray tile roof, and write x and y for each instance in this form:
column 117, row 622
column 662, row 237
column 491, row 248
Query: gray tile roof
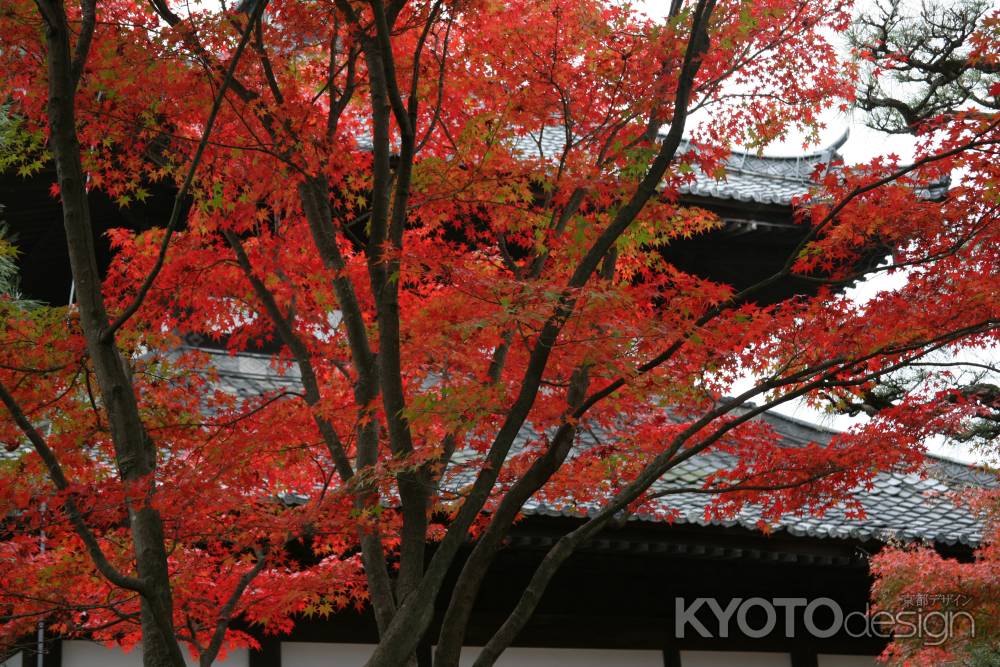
column 248, row 375
column 907, row 507
column 899, row 506
column 749, row 178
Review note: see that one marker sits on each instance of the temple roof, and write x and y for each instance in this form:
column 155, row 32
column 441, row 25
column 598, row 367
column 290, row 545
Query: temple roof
column 753, row 202
column 765, row 180
column 899, row 505
column 750, row 178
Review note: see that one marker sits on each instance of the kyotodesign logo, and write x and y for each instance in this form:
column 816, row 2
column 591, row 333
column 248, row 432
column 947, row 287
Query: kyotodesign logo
column 823, row 617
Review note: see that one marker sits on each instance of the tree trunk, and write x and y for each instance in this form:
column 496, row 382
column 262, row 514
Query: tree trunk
column 134, row 452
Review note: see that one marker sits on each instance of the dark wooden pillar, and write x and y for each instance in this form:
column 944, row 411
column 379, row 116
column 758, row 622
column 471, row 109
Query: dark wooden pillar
column 51, row 654
column 804, row 658
column 269, row 654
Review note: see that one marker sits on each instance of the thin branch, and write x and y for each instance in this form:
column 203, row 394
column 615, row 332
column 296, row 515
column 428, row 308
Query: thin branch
column 175, row 214
column 743, row 486
column 58, row 478
column 299, row 351
column 226, row 613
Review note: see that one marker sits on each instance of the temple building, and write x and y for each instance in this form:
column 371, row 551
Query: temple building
column 636, row 595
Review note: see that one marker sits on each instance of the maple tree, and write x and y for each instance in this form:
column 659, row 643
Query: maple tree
column 931, row 71
column 367, row 188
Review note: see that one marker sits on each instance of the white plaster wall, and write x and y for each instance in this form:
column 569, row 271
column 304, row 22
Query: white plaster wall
column 846, row 661
column 734, row 659
column 317, row 654
column 321, row 654
column 76, row 653
column 568, row 657
column 12, row 661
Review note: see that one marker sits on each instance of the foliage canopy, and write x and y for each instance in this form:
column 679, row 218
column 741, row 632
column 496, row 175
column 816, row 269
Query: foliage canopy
column 371, row 193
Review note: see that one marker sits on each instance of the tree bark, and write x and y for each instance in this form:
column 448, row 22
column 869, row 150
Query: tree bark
column 134, row 451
